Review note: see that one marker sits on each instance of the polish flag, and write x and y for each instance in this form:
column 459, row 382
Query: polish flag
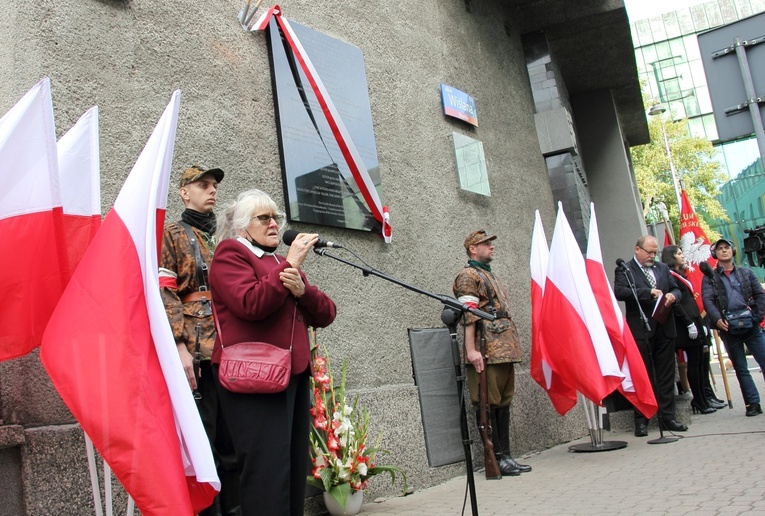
column 695, row 246
column 575, row 337
column 109, row 350
column 33, row 258
column 79, row 169
column 636, row 386
column 562, row 396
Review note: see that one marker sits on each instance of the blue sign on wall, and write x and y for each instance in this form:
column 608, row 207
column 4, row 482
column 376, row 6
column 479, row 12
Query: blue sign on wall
column 458, row 104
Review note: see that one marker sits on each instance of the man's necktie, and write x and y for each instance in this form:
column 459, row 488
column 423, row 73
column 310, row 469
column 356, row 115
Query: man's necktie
column 649, row 277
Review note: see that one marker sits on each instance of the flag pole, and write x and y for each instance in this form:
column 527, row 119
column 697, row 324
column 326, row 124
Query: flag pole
column 595, row 426
column 722, row 369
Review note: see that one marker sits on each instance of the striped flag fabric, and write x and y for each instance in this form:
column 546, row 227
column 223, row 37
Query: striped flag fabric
column 636, row 386
column 34, row 267
column 110, row 353
column 578, row 347
column 562, row 396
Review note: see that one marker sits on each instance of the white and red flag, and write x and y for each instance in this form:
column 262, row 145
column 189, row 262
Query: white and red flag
column 576, row 340
column 110, row 353
column 34, row 267
column 562, row 396
column 79, row 170
column 695, row 246
column 636, row 386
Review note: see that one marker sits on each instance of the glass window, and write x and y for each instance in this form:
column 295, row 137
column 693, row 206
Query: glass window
column 643, row 28
column 649, row 54
column 678, row 50
column 678, row 110
column 696, row 126
column 705, row 103
column 691, row 44
column 691, row 105
column 671, row 25
column 663, row 50
column 639, row 61
column 710, row 127
column 697, row 73
column 684, row 77
column 657, row 29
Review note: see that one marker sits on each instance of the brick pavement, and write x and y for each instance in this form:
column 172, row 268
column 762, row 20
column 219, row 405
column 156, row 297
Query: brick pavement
column 716, row 468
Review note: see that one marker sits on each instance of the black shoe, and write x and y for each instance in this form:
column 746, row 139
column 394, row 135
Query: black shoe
column 507, row 468
column 716, row 404
column 522, row 467
column 753, row 409
column 641, row 429
column 675, row 426
column 697, row 408
column 711, row 395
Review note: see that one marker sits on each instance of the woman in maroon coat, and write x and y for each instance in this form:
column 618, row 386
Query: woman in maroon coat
column 262, row 296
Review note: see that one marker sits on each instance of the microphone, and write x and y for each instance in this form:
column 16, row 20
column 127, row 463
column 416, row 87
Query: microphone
column 290, row 235
column 706, row 270
column 620, row 263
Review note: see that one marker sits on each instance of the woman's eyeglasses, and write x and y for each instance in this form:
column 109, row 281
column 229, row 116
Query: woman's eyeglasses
column 266, row 219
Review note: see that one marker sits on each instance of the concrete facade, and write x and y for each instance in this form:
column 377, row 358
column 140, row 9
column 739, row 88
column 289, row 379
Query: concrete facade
column 127, row 57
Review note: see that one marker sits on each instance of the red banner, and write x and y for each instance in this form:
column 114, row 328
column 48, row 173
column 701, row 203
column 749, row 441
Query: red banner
column 695, row 246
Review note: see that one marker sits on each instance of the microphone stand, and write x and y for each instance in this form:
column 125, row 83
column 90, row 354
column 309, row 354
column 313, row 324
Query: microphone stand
column 452, row 312
column 647, row 327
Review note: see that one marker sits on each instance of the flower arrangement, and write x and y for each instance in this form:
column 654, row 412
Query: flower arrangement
column 342, row 463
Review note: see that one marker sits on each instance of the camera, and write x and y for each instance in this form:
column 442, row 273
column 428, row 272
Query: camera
column 754, row 245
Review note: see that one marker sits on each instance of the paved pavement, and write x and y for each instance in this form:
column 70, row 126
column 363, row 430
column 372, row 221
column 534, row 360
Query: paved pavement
column 717, row 467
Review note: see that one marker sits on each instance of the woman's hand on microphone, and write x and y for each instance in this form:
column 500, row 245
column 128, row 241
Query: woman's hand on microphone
column 300, row 248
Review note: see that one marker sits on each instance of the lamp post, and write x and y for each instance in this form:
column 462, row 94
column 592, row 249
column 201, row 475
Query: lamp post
column 658, row 110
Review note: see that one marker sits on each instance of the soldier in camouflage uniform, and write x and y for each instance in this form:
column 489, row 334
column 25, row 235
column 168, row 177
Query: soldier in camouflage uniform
column 187, row 299
column 478, row 287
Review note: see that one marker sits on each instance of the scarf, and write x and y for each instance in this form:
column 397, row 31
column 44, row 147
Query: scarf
column 479, row 265
column 204, row 223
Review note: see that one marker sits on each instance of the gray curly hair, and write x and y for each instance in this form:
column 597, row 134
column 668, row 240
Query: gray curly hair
column 238, row 213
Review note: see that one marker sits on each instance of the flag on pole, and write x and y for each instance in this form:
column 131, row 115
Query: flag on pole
column 79, row 170
column 562, row 396
column 33, row 257
column 110, row 353
column 695, row 246
column 576, row 339
column 636, row 386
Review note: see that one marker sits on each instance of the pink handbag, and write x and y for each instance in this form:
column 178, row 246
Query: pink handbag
column 254, row 367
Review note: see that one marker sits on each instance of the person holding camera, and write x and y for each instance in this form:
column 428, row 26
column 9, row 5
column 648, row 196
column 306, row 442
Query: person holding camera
column 735, row 303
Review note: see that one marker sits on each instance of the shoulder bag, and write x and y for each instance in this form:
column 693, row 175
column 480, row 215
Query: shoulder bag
column 255, row 367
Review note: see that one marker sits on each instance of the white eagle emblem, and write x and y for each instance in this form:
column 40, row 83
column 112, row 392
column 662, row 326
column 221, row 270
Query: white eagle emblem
column 694, row 249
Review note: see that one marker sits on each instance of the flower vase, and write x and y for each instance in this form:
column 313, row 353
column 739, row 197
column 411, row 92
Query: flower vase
column 352, row 504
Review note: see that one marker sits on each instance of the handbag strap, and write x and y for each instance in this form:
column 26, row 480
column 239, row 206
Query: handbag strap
column 220, row 333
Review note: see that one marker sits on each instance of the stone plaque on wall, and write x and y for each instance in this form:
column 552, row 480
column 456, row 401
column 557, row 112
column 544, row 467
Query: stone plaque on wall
column 318, row 185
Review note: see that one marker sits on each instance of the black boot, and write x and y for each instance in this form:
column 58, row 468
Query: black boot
column 492, row 424
column 502, row 416
column 753, row 409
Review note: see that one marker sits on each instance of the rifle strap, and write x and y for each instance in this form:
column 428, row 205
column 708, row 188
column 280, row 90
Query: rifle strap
column 489, row 288
column 201, row 265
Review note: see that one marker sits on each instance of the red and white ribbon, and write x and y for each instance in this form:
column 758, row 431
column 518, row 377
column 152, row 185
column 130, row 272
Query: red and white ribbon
column 339, row 131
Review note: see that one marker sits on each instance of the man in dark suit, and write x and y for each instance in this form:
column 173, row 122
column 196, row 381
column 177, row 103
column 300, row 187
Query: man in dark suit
column 656, row 343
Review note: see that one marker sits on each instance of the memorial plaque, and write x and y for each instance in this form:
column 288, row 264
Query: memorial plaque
column 471, row 164
column 318, row 185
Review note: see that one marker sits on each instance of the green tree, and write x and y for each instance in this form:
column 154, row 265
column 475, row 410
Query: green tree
column 699, row 174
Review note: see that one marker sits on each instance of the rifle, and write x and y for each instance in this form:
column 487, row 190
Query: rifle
column 197, row 360
column 489, row 459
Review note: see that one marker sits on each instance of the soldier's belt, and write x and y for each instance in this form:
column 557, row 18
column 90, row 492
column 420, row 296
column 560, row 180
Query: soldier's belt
column 202, row 295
